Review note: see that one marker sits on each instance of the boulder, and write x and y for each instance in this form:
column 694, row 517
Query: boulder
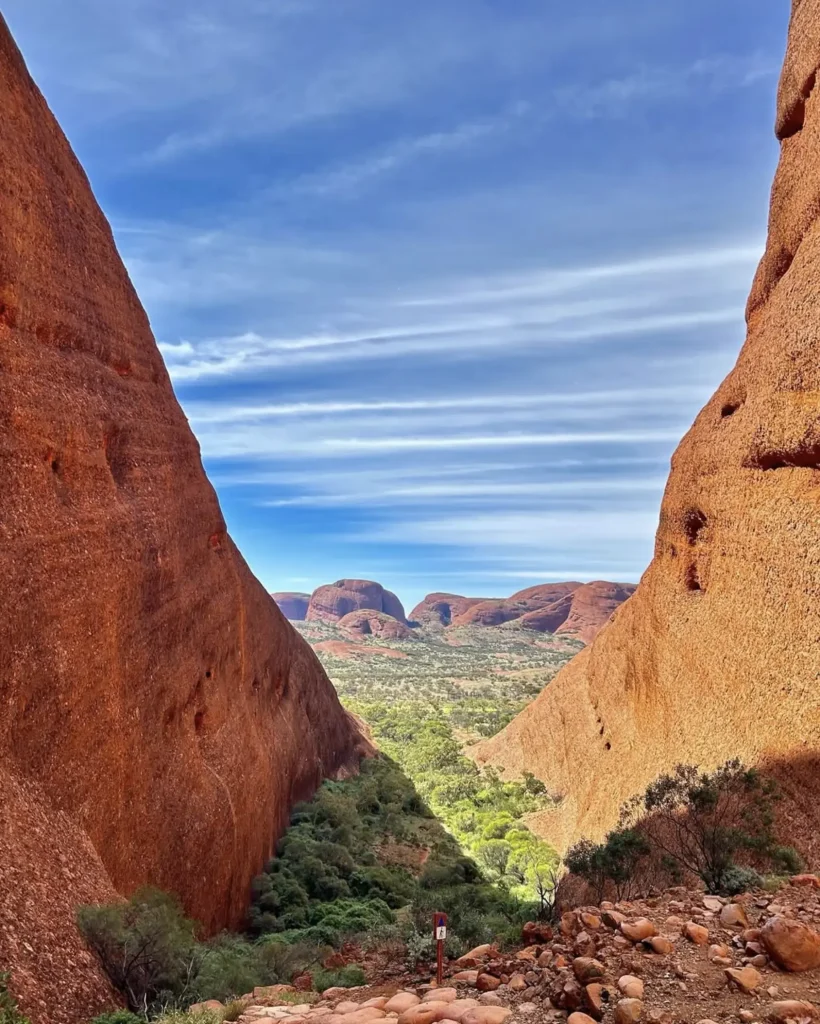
column 792, row 945
column 401, row 1001
column 747, row 979
column 628, row 1011
column 425, row 1013
column 336, row 600
column 487, row 982
column 790, row 1010
column 733, row 915
column 440, row 995
column 578, row 1017
column 696, row 933
column 638, row 931
column 486, row 1015
column 630, row 986
column 660, row 944
column 459, row 1007
column 586, row 969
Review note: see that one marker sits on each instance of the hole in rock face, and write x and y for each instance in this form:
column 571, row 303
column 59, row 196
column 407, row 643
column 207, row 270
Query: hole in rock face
column 208, row 674
column 801, row 456
column 256, row 685
column 729, row 409
column 199, row 721
column 608, row 745
column 692, row 579
column 216, row 540
column 55, row 465
column 694, row 522
column 116, row 445
column 601, row 731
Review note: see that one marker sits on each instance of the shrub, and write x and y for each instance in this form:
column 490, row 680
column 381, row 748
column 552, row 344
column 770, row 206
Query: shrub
column 118, row 1017
column 147, row 947
column 614, row 862
column 738, row 879
column 702, row 821
column 787, row 860
column 9, row 1014
column 350, row 976
column 185, row 1017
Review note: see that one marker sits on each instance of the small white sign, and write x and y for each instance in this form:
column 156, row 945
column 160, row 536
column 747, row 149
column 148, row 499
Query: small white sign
column 441, row 933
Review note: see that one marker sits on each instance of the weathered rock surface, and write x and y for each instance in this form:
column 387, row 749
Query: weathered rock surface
column 441, row 609
column 794, row 945
column 577, row 609
column 335, row 600
column 159, row 716
column 717, row 654
column 369, row 623
column 292, row 605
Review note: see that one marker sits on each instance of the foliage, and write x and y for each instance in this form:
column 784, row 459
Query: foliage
column 9, row 1014
column 186, row 1017
column 613, row 863
column 118, row 1017
column 689, row 822
column 703, row 821
column 739, row 879
column 147, row 946
column 350, row 976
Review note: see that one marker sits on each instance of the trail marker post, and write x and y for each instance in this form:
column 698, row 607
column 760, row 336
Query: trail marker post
column 440, row 934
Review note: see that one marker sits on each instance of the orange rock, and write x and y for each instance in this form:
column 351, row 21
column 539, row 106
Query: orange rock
column 580, row 1018
column 440, row 995
column 628, row 1011
column 786, row 1010
column 792, row 945
column 811, row 880
column 734, row 568
column 630, row 986
column 401, row 1001
column 586, row 969
column 595, row 998
column 425, row 1013
column 637, row 931
column 154, row 696
column 369, row 623
column 487, row 982
column 733, row 915
column 747, row 979
column 486, row 1015
column 696, row 933
column 467, row 976
column 336, row 600
column 459, row 1007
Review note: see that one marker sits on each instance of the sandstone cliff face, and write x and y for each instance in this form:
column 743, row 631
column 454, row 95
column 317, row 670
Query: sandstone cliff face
column 718, row 652
column 578, row 609
column 293, row 606
column 441, row 609
column 156, row 706
column 334, row 601
column 368, row 623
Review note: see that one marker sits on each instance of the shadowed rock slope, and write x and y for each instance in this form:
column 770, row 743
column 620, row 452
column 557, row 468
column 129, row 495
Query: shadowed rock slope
column 157, row 709
column 718, row 652
column 293, row 606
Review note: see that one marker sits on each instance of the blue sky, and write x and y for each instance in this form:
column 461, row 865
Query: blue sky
column 441, row 284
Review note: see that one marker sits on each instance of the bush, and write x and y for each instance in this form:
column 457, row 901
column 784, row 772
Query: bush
column 147, row 947
column 613, row 863
column 118, row 1017
column 702, row 821
column 185, row 1017
column 9, row 1014
column 350, row 976
column 739, row 879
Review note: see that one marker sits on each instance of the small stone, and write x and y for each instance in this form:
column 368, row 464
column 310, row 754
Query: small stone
column 466, row 976
column 527, row 1008
column 638, row 931
column 487, row 983
column 713, row 903
column 517, row 983
column 631, row 987
column 746, row 1016
column 580, row 1018
column 401, row 1001
column 747, row 979
column 586, row 969
column 440, row 995
column 486, row 1015
column 483, row 952
column 733, row 915
column 660, row 944
column 719, row 952
column 613, row 919
column 696, row 933
column 791, row 1010
column 628, row 1011
column 591, row 922
column 595, row 998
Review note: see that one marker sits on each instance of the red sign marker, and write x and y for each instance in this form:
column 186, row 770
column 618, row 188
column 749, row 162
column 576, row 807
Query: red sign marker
column 440, row 934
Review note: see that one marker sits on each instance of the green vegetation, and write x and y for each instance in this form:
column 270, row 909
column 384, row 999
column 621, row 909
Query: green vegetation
column 118, row 1017
column 445, row 692
column 716, row 826
column 342, row 977
column 367, row 858
column 151, row 953
column 9, row 1014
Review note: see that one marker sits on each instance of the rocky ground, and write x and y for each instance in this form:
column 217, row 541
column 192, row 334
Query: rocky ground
column 678, row 958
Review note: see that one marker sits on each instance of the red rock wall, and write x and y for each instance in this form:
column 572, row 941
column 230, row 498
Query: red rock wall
column 150, row 688
column 718, row 652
